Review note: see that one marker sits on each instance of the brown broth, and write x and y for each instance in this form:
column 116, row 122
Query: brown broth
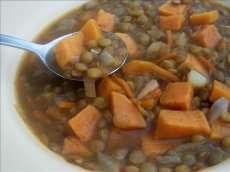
column 38, row 89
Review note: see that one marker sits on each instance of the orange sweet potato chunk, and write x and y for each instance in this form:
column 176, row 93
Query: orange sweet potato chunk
column 85, row 122
column 72, row 146
column 91, row 30
column 219, row 90
column 105, row 20
column 173, row 124
column 169, row 9
column 192, row 63
column 66, row 50
column 219, row 130
column 129, row 42
column 173, row 23
column 148, row 103
column 204, row 18
column 154, row 94
column 177, row 95
column 208, row 37
column 153, row 147
column 107, row 86
column 125, row 114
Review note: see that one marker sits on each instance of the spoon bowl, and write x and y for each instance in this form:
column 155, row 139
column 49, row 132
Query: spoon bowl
column 46, row 54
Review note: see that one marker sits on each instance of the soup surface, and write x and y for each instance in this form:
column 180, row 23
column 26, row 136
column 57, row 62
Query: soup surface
column 167, row 109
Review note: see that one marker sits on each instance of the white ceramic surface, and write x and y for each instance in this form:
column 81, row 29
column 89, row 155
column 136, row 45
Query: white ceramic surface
column 20, row 150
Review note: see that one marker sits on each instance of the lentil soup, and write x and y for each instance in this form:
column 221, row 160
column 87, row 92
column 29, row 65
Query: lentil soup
column 166, row 109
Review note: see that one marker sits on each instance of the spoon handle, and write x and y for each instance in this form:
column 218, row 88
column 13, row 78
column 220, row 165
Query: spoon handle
column 22, row 44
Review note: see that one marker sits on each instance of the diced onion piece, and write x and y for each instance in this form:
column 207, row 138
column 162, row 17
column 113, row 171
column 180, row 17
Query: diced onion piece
column 106, row 59
column 196, row 79
column 150, row 86
column 107, row 163
column 217, row 108
column 90, row 90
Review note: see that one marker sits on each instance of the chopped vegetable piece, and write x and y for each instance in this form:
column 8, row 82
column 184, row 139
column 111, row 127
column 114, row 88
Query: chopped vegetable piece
column 207, row 64
column 89, row 85
column 124, row 85
column 68, row 49
column 148, row 103
column 107, row 86
column 129, row 42
column 155, row 94
column 153, row 147
column 150, row 86
column 72, row 146
column 196, row 79
column 204, row 18
column 192, row 63
column 169, row 37
column 217, row 108
column 136, row 67
column 219, row 90
column 177, row 96
column 169, row 9
column 125, row 114
column 85, row 123
column 106, row 58
column 219, row 130
column 105, row 20
column 208, row 36
column 91, row 30
column 66, row 105
column 173, row 23
column 107, row 163
column 173, row 124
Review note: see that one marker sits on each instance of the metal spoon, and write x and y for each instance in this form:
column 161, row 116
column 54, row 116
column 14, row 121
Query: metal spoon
column 45, row 52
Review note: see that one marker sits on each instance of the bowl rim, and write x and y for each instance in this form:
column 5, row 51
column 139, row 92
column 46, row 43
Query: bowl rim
column 14, row 11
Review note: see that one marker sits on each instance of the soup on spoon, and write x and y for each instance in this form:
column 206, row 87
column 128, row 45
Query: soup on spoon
column 85, row 56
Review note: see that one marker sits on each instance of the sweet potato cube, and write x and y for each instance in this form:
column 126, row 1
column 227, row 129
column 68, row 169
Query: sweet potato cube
column 208, row 37
column 219, row 90
column 72, row 146
column 169, row 9
column 204, row 18
column 193, row 64
column 129, row 42
column 173, row 23
column 91, row 30
column 68, row 49
column 153, row 148
column 219, row 130
column 177, row 95
column 105, row 20
column 107, row 86
column 125, row 114
column 173, row 124
column 148, row 103
column 85, row 122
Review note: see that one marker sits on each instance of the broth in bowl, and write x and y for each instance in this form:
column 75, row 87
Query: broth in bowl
column 166, row 109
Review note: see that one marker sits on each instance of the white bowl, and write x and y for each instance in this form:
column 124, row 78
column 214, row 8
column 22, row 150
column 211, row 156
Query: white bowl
column 20, row 149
